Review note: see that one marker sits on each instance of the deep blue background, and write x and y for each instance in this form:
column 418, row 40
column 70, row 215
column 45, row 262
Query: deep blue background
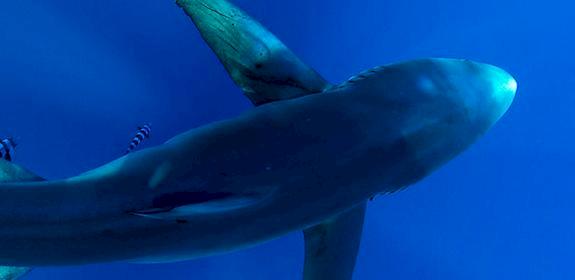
column 77, row 77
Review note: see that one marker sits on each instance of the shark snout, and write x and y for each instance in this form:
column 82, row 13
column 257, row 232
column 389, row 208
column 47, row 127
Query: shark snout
column 484, row 91
column 457, row 102
column 499, row 90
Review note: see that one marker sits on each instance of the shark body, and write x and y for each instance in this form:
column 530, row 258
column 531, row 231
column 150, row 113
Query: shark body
column 308, row 157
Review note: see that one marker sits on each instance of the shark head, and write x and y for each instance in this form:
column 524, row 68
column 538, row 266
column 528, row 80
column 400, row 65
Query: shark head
column 435, row 108
column 453, row 103
column 477, row 95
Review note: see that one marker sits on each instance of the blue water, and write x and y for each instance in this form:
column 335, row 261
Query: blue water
column 77, row 78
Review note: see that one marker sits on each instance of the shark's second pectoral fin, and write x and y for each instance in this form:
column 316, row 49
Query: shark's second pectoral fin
column 331, row 248
column 10, row 172
column 257, row 61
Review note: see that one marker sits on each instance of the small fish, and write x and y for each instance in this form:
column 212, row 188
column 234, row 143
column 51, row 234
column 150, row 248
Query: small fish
column 143, row 133
column 7, row 147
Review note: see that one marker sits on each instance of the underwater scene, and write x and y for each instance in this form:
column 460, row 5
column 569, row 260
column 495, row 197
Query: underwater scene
column 285, row 140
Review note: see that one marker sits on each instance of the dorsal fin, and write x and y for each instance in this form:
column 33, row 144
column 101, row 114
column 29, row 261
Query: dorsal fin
column 258, row 62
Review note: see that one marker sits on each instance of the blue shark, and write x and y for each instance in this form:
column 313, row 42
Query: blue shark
column 308, row 157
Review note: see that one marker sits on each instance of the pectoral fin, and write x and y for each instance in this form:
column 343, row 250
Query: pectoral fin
column 257, row 61
column 10, row 172
column 331, row 247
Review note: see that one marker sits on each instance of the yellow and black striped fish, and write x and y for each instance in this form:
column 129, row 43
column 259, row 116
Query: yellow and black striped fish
column 143, row 133
column 7, row 147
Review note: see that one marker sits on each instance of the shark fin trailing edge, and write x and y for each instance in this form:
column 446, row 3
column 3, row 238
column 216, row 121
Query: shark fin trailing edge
column 258, row 62
column 331, row 247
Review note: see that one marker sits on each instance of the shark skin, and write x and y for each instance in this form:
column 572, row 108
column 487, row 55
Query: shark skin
column 307, row 158
column 12, row 273
column 10, row 172
column 260, row 64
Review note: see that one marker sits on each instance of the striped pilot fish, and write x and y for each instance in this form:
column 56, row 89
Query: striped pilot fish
column 143, row 133
column 7, row 147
